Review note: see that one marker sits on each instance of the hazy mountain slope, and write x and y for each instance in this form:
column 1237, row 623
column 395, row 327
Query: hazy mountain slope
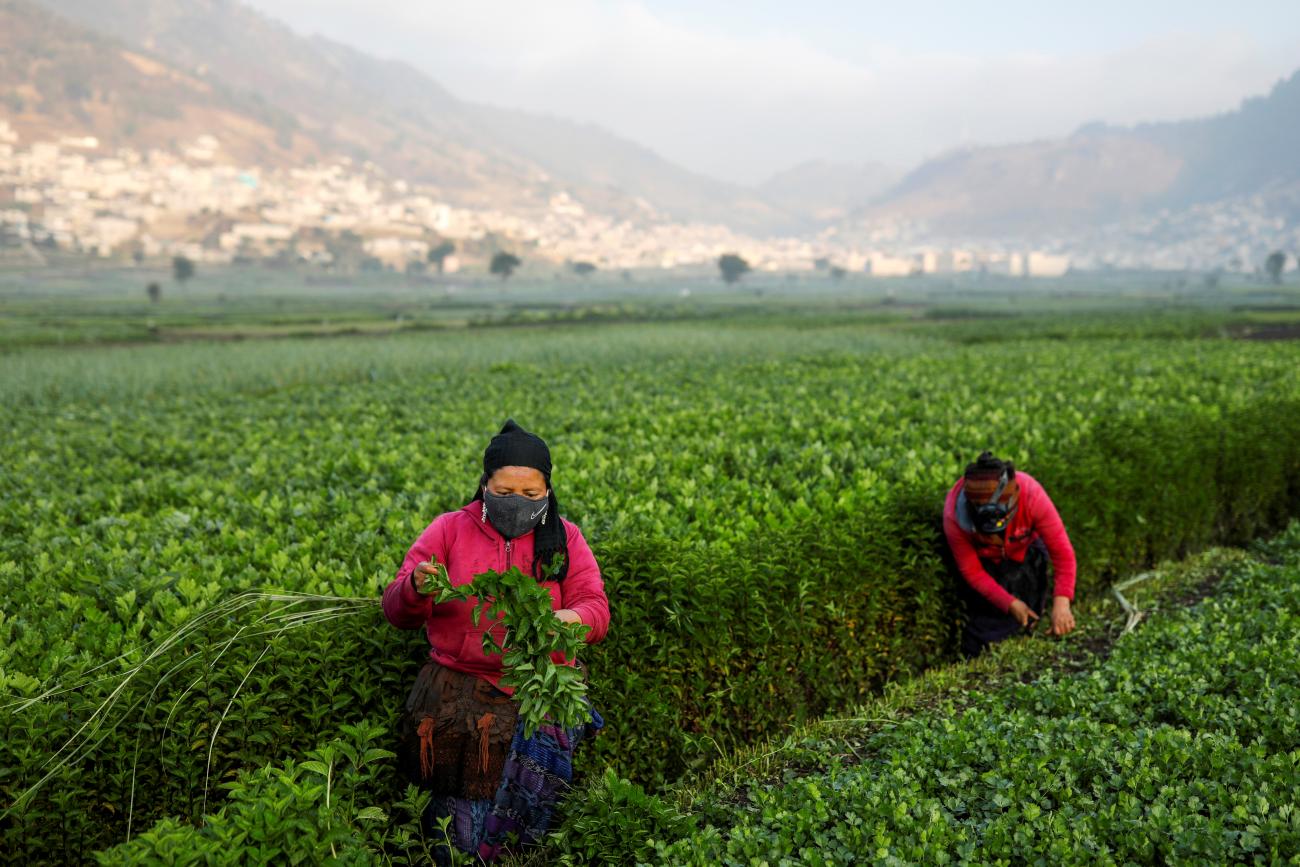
column 1236, row 152
column 822, row 191
column 350, row 103
column 57, row 78
column 1103, row 173
column 610, row 168
column 393, row 114
column 1082, row 179
column 272, row 94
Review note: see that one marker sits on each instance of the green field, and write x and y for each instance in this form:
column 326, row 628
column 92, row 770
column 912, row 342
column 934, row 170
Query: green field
column 1180, row 746
column 80, row 303
column 760, row 476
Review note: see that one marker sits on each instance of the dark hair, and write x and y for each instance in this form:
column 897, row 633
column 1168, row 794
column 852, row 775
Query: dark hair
column 986, row 466
column 516, row 447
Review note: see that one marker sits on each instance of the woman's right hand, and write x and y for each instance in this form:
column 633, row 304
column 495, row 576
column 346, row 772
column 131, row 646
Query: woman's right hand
column 1023, row 613
column 422, row 573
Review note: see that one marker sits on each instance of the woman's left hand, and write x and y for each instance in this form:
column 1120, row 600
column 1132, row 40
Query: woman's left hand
column 568, row 615
column 1062, row 617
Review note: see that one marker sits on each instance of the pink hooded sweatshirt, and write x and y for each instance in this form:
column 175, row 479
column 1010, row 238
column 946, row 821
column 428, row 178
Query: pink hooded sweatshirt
column 468, row 546
column 1035, row 518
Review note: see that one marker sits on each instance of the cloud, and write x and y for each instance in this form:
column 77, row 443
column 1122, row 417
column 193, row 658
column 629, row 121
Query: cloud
column 741, row 106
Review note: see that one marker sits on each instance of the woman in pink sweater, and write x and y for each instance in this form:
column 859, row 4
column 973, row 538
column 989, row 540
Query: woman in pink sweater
column 1004, row 531
column 459, row 736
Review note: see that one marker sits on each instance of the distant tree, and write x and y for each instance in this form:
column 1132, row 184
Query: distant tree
column 346, row 250
column 137, row 256
column 582, row 269
column 504, row 264
column 838, row 273
column 438, row 255
column 821, row 263
column 627, row 276
column 182, row 268
column 1274, row 264
column 1212, row 278
column 732, row 266
column 155, row 292
column 415, row 268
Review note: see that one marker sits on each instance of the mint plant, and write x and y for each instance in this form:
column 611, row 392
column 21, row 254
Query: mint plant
column 543, row 687
column 436, row 583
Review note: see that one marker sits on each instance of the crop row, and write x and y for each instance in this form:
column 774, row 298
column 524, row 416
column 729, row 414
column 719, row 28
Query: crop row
column 762, row 501
column 1180, row 748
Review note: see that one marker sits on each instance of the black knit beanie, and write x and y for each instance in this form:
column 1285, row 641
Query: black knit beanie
column 516, row 447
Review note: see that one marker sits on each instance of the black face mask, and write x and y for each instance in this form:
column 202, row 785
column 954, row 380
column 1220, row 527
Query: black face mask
column 993, row 517
column 513, row 515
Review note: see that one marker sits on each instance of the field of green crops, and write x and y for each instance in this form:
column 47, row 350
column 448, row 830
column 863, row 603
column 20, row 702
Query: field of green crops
column 1183, row 747
column 761, row 491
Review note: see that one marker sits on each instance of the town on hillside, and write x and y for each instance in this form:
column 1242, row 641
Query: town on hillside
column 74, row 195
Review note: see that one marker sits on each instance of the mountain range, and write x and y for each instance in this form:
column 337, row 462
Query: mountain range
column 1105, row 173
column 154, row 72
column 325, row 97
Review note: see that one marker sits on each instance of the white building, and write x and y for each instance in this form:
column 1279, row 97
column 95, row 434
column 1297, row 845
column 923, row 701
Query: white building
column 882, row 265
column 396, row 251
column 261, row 236
column 108, row 233
column 1046, row 265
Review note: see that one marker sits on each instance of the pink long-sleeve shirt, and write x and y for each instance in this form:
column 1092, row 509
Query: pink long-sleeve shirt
column 1036, row 517
column 468, row 546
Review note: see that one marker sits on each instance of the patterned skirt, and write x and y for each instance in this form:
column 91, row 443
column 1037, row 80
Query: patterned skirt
column 495, row 792
column 538, row 771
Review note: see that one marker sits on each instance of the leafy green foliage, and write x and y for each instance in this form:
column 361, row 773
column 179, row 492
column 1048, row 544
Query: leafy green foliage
column 308, row 812
column 733, row 267
column 618, row 822
column 1274, row 265
column 762, row 499
column 435, row 583
column 438, row 254
column 503, row 264
column 182, row 268
column 1178, row 749
column 534, row 640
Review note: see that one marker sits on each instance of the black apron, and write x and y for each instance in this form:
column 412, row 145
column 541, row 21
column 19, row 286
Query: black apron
column 1028, row 581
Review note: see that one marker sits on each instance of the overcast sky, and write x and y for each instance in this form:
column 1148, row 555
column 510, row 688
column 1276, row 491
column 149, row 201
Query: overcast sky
column 740, row 90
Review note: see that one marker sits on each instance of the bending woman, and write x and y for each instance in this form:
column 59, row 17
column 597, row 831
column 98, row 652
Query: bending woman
column 459, row 736
column 1004, row 533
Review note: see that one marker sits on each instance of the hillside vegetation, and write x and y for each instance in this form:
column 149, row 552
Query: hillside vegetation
column 58, row 78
